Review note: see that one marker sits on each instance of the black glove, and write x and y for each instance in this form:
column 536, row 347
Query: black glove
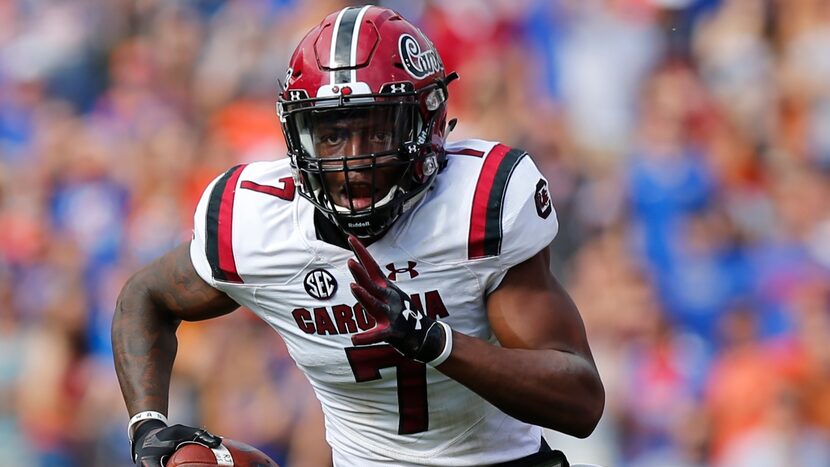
column 405, row 328
column 154, row 441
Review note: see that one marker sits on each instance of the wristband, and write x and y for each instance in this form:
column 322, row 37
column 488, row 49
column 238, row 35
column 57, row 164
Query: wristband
column 141, row 417
column 447, row 346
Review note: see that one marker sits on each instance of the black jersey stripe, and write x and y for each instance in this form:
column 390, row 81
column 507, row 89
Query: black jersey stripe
column 212, row 226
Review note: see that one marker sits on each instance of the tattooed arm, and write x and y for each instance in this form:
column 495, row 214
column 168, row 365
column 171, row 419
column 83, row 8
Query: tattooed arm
column 151, row 305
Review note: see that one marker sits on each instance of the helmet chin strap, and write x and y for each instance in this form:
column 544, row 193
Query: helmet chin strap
column 318, row 193
column 366, row 235
column 381, row 202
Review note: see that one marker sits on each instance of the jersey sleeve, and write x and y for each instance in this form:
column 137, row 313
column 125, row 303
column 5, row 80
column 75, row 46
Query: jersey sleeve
column 528, row 220
column 211, row 250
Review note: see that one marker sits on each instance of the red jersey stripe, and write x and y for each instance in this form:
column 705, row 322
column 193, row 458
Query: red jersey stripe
column 225, row 231
column 469, row 152
column 478, row 217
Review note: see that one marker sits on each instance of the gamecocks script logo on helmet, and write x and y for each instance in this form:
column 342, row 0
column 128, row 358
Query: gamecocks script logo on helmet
column 416, row 63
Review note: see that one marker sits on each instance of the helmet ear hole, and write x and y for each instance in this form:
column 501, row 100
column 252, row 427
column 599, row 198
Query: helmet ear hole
column 434, row 99
column 424, row 169
column 430, row 166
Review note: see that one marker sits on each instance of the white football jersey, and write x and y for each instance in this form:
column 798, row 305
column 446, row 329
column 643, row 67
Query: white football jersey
column 255, row 240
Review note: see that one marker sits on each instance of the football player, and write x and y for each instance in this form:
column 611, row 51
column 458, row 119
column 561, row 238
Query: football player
column 409, row 277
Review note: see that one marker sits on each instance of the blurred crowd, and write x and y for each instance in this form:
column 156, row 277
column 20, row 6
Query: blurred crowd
column 687, row 144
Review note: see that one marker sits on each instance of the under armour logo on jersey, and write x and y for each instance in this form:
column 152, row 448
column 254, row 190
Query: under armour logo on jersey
column 320, row 284
column 393, row 271
column 410, row 313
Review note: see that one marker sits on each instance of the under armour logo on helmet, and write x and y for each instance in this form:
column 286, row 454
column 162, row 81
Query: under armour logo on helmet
column 397, row 88
column 393, row 271
column 297, row 94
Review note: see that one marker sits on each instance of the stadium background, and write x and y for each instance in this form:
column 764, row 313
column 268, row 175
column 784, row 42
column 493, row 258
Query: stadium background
column 687, row 143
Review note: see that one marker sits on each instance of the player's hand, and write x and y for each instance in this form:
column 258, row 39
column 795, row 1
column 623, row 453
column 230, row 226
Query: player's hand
column 404, row 327
column 156, row 442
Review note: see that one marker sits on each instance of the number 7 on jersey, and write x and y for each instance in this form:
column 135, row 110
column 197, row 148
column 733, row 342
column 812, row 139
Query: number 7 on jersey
column 366, row 363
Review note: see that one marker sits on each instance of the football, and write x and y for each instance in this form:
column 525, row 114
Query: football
column 229, row 453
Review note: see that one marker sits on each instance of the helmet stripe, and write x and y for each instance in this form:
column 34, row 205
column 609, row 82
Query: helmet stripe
column 343, row 43
column 355, row 38
column 333, row 45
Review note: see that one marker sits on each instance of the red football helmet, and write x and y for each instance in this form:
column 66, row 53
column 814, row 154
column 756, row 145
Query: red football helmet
column 363, row 110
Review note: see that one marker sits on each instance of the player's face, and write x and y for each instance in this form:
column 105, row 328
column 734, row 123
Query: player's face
column 358, row 133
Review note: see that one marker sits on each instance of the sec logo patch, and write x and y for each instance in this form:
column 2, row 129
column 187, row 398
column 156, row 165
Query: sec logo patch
column 320, row 284
column 543, row 204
